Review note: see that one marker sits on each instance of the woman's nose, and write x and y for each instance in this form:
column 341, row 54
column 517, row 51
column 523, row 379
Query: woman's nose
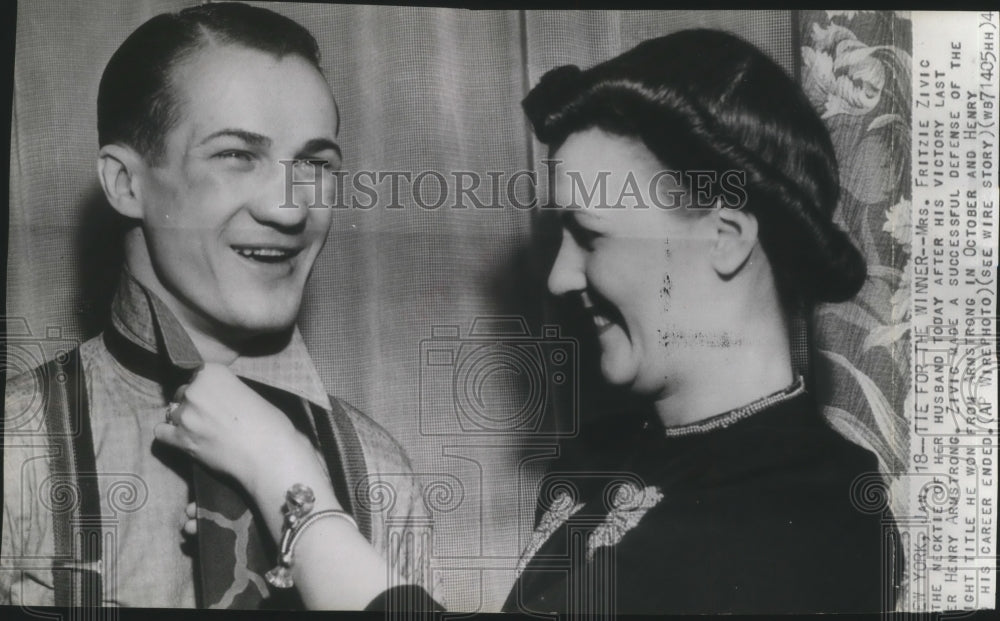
column 567, row 273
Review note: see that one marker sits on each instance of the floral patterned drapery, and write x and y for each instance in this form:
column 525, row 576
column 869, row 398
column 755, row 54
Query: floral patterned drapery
column 856, row 71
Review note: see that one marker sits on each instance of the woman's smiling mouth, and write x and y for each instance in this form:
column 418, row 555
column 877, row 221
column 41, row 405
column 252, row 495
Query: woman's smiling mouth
column 601, row 315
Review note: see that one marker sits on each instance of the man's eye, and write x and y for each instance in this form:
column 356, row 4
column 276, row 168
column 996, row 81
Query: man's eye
column 235, row 155
column 310, row 163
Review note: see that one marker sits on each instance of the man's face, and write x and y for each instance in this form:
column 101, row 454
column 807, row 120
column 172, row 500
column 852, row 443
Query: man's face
column 218, row 248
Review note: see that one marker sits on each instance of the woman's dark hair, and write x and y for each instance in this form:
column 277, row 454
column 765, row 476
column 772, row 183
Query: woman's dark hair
column 136, row 102
column 707, row 100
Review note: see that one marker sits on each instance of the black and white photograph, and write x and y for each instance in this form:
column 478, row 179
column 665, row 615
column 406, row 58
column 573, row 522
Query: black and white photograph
column 422, row 310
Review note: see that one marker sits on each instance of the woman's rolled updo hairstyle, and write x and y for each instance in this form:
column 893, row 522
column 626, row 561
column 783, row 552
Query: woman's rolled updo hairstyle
column 707, row 100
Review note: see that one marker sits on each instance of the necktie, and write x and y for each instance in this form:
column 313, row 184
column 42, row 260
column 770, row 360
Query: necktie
column 233, row 553
column 234, row 548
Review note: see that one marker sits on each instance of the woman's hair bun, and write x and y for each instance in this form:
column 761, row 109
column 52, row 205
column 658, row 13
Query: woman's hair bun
column 840, row 270
column 708, row 100
column 553, row 92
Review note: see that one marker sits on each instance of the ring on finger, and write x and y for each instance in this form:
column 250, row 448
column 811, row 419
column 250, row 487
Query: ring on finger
column 171, row 408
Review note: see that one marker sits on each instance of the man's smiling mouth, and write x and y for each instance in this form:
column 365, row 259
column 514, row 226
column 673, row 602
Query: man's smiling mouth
column 266, row 254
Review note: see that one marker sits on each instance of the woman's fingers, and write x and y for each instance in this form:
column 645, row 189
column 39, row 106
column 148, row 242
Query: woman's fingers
column 170, row 435
column 179, row 393
column 180, row 427
column 191, row 523
column 220, row 421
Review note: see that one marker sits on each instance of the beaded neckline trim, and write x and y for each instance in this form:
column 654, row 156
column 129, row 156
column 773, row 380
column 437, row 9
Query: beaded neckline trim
column 721, row 421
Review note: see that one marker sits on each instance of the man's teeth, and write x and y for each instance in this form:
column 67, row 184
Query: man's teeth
column 264, row 253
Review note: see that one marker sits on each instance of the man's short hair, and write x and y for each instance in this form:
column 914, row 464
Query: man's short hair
column 137, row 104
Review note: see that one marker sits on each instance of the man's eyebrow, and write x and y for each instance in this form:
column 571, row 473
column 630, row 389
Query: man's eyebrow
column 251, row 138
column 320, row 144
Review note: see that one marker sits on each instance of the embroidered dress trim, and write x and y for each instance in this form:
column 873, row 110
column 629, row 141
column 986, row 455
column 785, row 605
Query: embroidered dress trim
column 629, row 506
column 561, row 509
column 726, row 419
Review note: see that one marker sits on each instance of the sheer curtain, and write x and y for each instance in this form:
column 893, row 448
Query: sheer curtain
column 856, row 71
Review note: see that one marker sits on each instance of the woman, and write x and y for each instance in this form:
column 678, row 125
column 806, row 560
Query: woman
column 696, row 187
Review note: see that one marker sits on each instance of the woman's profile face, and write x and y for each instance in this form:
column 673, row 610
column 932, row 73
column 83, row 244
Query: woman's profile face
column 640, row 270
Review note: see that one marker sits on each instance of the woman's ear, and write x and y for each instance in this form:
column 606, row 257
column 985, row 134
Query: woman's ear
column 736, row 236
column 119, row 168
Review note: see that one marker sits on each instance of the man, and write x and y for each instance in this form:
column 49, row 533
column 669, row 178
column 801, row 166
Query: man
column 199, row 112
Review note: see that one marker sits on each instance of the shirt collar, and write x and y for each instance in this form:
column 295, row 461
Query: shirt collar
column 137, row 312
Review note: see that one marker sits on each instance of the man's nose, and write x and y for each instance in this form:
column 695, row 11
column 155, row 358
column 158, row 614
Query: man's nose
column 567, row 273
column 289, row 190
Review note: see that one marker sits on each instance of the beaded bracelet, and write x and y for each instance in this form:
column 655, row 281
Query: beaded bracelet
column 299, row 501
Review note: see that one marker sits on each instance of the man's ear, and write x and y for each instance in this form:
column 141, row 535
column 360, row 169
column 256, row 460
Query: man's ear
column 119, row 168
column 736, row 236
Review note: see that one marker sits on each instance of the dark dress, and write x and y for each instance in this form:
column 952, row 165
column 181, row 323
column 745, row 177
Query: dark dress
column 748, row 512
column 753, row 517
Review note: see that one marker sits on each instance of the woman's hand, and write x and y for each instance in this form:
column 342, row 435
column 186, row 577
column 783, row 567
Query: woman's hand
column 228, row 427
column 224, row 424
column 190, row 519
